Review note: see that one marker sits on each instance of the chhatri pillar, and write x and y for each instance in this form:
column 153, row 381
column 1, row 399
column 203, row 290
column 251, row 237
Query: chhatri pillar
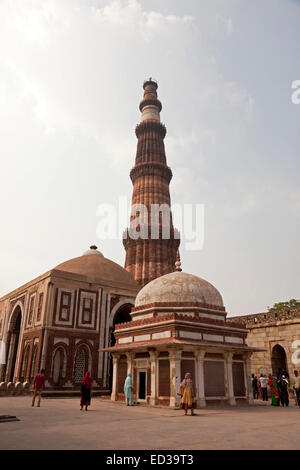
column 114, row 393
column 228, row 374
column 175, row 372
column 200, row 378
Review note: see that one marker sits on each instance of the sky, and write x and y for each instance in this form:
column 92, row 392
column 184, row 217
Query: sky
column 71, row 75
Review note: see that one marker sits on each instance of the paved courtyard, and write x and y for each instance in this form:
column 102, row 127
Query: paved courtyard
column 59, row 424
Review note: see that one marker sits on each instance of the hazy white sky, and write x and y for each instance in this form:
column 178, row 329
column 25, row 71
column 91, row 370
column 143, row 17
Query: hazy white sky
column 71, row 74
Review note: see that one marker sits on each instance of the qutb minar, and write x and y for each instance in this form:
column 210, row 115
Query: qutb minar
column 148, row 258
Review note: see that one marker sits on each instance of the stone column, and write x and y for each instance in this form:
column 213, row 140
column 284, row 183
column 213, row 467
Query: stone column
column 201, row 402
column 228, row 369
column 175, row 366
column 153, row 365
column 130, row 359
column 247, row 378
column 114, row 393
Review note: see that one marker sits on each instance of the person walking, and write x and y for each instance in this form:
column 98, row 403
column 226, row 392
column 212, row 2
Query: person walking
column 263, row 384
column 38, row 387
column 86, row 388
column 297, row 386
column 254, row 386
column 186, row 391
column 283, row 389
column 128, row 390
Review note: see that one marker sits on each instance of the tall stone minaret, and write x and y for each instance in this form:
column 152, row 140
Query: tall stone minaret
column 152, row 252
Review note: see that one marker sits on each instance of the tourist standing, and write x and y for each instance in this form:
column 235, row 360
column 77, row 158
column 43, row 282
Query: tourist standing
column 254, row 386
column 283, row 389
column 274, row 389
column 186, row 391
column 86, row 389
column 38, row 387
column 128, row 390
column 297, row 386
column 263, row 384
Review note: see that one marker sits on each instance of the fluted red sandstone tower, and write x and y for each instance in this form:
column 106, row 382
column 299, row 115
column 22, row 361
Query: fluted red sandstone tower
column 151, row 256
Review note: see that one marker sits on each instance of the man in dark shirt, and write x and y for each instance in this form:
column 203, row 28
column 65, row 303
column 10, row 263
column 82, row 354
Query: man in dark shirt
column 254, row 386
column 38, row 386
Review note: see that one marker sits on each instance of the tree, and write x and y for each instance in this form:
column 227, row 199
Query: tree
column 280, row 306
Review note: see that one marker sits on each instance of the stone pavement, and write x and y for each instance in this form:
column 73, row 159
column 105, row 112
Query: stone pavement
column 59, row 424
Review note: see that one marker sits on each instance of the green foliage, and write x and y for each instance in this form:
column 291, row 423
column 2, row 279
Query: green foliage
column 280, row 306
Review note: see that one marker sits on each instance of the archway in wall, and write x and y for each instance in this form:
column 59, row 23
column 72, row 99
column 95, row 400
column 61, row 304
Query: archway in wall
column 33, row 369
column 121, row 316
column 57, row 366
column 279, row 363
column 14, row 328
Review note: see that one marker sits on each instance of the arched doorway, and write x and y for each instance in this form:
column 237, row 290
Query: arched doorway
column 24, row 366
column 279, row 363
column 122, row 315
column 33, row 370
column 57, row 361
column 14, row 337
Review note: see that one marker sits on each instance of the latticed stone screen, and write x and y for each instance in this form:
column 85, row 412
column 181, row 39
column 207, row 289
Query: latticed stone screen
column 238, row 379
column 164, row 378
column 214, row 378
column 122, row 374
column 188, row 365
column 80, row 365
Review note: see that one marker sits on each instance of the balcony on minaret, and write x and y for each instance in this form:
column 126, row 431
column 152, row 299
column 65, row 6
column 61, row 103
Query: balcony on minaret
column 150, row 106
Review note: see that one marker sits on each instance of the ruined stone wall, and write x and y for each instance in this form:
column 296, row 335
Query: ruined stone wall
column 266, row 330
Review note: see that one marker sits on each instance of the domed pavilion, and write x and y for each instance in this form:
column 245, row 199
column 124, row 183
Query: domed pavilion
column 178, row 325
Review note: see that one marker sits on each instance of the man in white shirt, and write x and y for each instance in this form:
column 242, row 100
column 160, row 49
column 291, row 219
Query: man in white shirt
column 263, row 383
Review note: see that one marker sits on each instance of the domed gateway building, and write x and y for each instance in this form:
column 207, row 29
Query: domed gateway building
column 178, row 325
column 59, row 320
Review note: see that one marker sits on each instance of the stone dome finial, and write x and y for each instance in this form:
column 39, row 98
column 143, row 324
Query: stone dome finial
column 178, row 262
column 93, row 250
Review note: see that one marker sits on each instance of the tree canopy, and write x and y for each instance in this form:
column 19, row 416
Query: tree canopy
column 279, row 306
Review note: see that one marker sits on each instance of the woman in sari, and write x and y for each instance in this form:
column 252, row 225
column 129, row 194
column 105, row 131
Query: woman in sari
column 186, row 391
column 128, row 390
column 274, row 389
column 86, row 387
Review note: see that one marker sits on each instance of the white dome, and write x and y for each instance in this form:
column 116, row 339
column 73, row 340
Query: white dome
column 179, row 287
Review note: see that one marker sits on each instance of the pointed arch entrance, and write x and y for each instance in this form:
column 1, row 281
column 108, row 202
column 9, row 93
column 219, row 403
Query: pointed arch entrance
column 122, row 315
column 279, row 362
column 13, row 343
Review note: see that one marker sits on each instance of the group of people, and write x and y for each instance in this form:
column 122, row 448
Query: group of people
column 86, row 389
column 186, row 391
column 280, row 388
